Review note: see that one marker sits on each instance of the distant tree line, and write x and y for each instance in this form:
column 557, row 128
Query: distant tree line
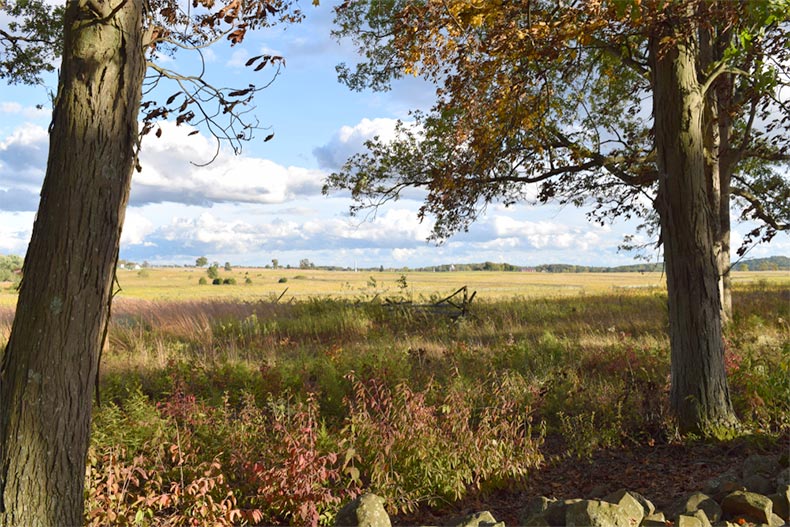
column 9, row 268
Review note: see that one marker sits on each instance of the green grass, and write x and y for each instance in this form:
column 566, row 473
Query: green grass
column 228, row 407
column 176, row 284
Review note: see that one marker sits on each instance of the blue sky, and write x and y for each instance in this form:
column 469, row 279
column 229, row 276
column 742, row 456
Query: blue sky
column 267, row 202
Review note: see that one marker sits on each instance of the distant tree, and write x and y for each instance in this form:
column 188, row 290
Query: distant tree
column 202, row 261
column 275, row 263
column 558, row 95
column 145, row 264
column 228, row 267
column 8, row 265
column 213, row 271
column 743, row 267
column 304, row 263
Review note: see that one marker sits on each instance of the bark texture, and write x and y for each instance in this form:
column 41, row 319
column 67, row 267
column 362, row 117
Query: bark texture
column 689, row 224
column 51, row 360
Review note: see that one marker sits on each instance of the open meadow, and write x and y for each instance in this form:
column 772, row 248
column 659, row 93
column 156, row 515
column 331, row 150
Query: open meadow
column 231, row 404
column 252, row 284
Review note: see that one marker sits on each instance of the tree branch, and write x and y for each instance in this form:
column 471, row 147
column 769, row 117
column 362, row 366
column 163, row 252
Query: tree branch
column 758, row 210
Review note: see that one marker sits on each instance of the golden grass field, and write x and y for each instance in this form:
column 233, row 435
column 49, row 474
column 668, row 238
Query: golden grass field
column 172, row 284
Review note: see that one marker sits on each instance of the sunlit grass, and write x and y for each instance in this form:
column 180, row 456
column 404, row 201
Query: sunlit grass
column 182, row 284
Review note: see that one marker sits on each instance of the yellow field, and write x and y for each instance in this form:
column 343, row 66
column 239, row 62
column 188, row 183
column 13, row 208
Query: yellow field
column 182, row 283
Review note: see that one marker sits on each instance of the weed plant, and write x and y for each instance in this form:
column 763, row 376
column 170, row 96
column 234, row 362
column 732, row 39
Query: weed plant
column 231, row 412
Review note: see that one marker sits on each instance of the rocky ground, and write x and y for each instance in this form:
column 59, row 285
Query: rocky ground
column 664, row 474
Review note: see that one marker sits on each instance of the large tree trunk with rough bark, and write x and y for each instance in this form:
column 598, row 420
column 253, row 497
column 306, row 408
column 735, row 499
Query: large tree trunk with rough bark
column 50, row 363
column 699, row 392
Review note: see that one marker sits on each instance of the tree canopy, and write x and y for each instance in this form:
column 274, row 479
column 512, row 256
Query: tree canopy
column 32, row 43
column 558, row 95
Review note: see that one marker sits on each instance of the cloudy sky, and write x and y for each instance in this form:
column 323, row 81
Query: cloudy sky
column 266, row 203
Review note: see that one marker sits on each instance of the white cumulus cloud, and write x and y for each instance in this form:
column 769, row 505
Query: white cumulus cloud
column 350, row 140
column 170, row 175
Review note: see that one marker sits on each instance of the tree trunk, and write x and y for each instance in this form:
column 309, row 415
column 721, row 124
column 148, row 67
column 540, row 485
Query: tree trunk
column 717, row 128
column 699, row 394
column 726, row 162
column 50, row 363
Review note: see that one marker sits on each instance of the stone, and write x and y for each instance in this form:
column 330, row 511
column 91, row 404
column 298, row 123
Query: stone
column 697, row 519
column 555, row 514
column 781, row 502
column 750, row 506
column 775, row 521
column 656, row 517
column 700, row 515
column 696, row 501
column 724, row 483
column 598, row 491
column 594, row 513
column 759, row 484
column 653, row 523
column 478, row 519
column 784, row 477
column 534, row 506
column 630, row 504
column 763, row 465
column 687, row 520
column 364, row 511
column 537, row 520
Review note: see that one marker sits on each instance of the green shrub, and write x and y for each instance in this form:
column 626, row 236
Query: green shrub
column 229, row 281
column 282, row 280
column 217, row 281
column 202, row 281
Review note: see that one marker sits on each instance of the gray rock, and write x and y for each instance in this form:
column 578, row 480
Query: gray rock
column 687, row 520
column 757, row 464
column 534, row 506
column 759, row 484
column 556, row 512
column 597, row 492
column 478, row 519
column 750, row 506
column 594, row 513
column 784, row 477
column 694, row 502
column 365, row 511
column 727, row 481
column 656, row 517
column 537, row 520
column 702, row 517
column 781, row 502
column 631, row 505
